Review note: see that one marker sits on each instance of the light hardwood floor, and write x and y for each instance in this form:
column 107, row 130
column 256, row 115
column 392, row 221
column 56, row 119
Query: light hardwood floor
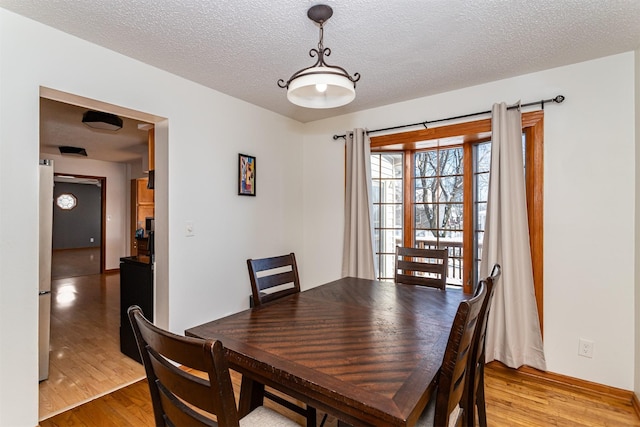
column 513, row 399
column 85, row 357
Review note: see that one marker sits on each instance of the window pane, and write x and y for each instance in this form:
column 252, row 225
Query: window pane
column 481, row 215
column 375, row 166
column 388, row 240
column 483, row 153
column 390, row 191
column 479, row 236
column 425, row 235
column 398, row 167
column 426, row 163
column 479, row 240
column 388, row 216
column 482, row 186
column 387, row 185
column 454, row 247
column 376, row 216
column 447, row 236
column 426, row 189
column 375, row 191
column 387, row 264
column 425, row 216
column 438, row 207
column 451, row 189
column 450, row 161
column 426, row 239
column 376, row 237
column 399, row 217
column 391, row 166
column 452, row 219
column 482, row 166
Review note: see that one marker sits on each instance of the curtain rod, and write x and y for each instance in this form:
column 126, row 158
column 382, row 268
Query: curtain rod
column 557, row 100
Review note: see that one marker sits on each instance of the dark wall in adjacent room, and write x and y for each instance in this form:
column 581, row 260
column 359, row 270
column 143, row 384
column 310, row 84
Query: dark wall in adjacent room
column 76, row 228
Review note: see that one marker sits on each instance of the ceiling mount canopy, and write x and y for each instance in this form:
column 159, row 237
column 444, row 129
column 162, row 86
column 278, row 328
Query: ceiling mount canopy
column 321, row 85
column 100, row 120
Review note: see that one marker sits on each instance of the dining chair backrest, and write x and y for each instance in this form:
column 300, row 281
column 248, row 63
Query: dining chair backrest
column 475, row 391
column 453, row 373
column 448, row 407
column 273, row 278
column 181, row 398
column 424, row 267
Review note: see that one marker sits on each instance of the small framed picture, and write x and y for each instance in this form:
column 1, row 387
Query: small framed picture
column 246, row 175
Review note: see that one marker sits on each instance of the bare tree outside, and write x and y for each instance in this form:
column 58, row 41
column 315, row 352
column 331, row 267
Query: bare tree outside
column 438, row 203
column 439, row 193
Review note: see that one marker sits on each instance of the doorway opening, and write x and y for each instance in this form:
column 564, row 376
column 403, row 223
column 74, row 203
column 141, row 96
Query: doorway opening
column 79, row 232
column 86, row 307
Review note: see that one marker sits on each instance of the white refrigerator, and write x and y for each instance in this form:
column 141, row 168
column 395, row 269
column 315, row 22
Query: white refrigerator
column 44, row 271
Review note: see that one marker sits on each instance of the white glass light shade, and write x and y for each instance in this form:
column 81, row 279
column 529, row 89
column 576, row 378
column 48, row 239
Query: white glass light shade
column 303, row 92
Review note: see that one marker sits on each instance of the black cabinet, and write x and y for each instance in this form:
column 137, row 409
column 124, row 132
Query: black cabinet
column 136, row 288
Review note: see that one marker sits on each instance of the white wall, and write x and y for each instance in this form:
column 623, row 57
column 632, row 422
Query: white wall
column 199, row 278
column 589, row 203
column 117, row 221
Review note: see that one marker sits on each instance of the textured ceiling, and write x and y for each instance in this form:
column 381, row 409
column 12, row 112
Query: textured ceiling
column 403, row 49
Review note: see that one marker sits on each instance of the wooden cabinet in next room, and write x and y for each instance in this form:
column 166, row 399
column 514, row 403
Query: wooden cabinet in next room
column 142, row 207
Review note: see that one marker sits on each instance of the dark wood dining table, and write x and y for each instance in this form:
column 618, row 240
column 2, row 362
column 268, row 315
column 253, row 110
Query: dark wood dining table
column 365, row 351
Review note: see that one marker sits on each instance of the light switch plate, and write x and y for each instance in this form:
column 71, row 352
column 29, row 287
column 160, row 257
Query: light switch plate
column 189, row 229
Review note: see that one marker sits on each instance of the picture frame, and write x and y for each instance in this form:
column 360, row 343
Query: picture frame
column 246, row 175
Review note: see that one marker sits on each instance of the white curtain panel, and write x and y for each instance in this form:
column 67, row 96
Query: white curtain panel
column 513, row 332
column 357, row 258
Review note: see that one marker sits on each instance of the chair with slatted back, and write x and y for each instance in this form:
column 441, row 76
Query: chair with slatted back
column 271, row 279
column 447, row 406
column 475, row 390
column 189, row 380
column 424, row 267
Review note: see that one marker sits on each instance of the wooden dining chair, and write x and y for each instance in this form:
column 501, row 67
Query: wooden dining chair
column 425, row 267
column 189, row 380
column 475, row 385
column 271, row 279
column 447, row 406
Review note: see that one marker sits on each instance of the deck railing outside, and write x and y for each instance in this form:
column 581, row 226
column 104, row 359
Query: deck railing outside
column 455, row 263
column 454, row 275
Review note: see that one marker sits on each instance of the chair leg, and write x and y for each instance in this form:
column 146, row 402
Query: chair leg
column 480, row 403
column 470, row 414
column 251, row 396
column 311, row 416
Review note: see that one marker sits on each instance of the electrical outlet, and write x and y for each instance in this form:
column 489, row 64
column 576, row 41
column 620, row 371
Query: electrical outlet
column 91, row 239
column 585, row 348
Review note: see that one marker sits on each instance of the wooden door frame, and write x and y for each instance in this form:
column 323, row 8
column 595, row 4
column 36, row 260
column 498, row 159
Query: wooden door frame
column 103, row 212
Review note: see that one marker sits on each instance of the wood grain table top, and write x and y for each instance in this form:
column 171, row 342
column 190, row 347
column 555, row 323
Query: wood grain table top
column 365, row 351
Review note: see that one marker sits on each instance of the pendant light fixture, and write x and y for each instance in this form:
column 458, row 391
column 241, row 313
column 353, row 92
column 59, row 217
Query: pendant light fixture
column 321, row 85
